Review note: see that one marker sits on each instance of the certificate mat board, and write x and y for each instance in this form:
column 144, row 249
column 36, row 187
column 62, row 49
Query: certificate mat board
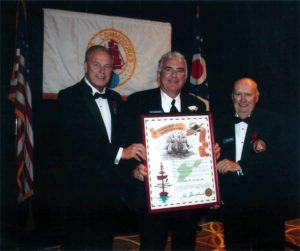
column 181, row 163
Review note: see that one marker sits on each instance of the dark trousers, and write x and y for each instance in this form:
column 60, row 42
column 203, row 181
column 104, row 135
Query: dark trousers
column 245, row 232
column 91, row 231
column 155, row 228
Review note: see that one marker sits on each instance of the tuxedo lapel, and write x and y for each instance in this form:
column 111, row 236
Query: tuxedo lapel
column 154, row 103
column 184, row 104
column 113, row 112
column 248, row 145
column 229, row 141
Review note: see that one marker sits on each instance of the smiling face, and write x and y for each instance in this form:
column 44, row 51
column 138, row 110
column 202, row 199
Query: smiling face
column 245, row 95
column 98, row 68
column 172, row 76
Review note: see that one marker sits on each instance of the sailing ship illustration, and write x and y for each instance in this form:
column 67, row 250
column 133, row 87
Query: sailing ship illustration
column 177, row 144
column 163, row 179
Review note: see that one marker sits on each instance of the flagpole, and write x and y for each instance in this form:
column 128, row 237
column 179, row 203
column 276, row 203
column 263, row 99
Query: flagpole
column 20, row 93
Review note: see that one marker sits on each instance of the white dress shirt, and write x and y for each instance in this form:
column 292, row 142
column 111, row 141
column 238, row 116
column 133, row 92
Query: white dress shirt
column 240, row 133
column 166, row 102
column 106, row 116
column 103, row 108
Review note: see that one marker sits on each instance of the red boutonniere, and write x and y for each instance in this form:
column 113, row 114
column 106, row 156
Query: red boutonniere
column 254, row 137
column 258, row 144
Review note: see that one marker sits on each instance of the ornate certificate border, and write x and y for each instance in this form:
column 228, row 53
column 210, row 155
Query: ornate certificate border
column 181, row 163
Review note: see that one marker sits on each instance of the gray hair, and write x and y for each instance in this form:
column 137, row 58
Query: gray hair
column 170, row 55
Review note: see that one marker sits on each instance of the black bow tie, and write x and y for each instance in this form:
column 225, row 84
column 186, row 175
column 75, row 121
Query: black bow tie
column 238, row 120
column 100, row 95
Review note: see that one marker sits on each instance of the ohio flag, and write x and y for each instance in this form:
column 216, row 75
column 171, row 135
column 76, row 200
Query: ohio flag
column 198, row 75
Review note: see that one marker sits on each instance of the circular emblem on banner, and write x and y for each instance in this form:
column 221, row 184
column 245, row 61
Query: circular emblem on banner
column 122, row 49
column 198, row 71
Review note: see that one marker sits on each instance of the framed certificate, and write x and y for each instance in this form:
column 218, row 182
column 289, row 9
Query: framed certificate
column 181, row 163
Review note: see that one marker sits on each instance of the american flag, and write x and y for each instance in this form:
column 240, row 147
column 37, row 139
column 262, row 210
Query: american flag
column 198, row 77
column 20, row 93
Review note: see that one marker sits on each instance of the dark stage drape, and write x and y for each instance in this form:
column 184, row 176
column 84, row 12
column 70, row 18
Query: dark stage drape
column 259, row 39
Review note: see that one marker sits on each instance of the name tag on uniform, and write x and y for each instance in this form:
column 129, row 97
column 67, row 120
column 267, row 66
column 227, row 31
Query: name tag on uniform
column 228, row 140
column 155, row 111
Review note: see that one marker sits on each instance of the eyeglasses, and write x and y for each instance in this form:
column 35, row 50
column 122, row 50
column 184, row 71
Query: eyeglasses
column 170, row 70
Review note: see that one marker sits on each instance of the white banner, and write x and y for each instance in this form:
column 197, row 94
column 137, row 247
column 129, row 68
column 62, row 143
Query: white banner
column 137, row 46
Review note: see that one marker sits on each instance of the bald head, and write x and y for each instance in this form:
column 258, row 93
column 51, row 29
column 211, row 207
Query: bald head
column 246, row 81
column 245, row 95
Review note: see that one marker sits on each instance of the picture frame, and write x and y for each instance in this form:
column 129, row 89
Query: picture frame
column 181, row 162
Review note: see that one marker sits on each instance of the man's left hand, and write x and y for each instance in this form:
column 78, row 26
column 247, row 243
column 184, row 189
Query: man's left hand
column 136, row 151
column 140, row 172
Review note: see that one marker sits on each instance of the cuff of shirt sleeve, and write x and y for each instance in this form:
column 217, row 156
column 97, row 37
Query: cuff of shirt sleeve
column 119, row 155
column 240, row 171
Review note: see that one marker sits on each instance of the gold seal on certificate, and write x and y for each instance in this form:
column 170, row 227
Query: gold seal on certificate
column 208, row 192
column 181, row 163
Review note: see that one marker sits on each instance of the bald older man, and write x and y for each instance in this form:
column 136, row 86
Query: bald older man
column 252, row 173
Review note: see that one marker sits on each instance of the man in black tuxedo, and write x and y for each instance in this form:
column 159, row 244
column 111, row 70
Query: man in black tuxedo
column 90, row 155
column 168, row 98
column 252, row 173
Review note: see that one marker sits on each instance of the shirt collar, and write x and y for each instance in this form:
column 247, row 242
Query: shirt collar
column 166, row 101
column 237, row 116
column 167, row 97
